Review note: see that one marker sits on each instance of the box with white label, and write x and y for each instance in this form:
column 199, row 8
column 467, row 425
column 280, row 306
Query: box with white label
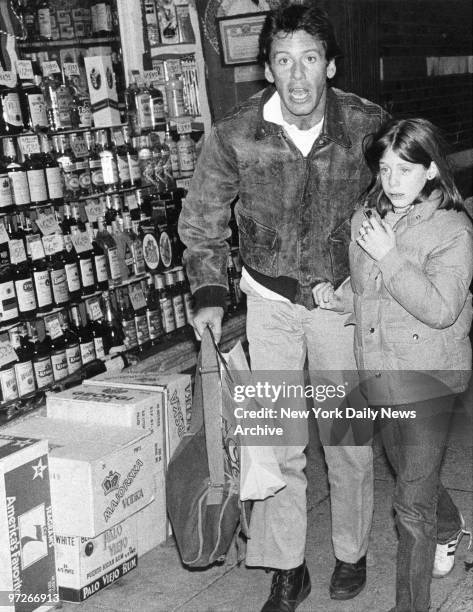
column 88, row 565
column 27, row 567
column 100, row 475
column 102, row 90
column 174, row 391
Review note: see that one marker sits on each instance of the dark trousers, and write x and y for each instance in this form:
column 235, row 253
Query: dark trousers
column 425, row 512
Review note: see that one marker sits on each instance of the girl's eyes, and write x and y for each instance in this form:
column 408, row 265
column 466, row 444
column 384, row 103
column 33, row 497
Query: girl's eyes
column 383, row 170
column 404, row 171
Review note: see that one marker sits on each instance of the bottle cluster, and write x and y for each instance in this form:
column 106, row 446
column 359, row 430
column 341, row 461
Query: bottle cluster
column 45, row 20
column 42, row 352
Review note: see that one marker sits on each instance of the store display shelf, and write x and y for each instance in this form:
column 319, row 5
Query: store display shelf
column 52, row 133
column 163, row 51
column 68, row 42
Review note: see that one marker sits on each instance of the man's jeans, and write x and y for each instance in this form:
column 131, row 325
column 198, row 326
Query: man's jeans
column 425, row 513
column 281, row 335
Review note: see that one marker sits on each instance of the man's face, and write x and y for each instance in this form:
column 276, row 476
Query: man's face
column 299, row 69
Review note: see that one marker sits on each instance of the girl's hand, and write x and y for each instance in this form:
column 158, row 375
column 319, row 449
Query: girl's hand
column 325, row 297
column 377, row 240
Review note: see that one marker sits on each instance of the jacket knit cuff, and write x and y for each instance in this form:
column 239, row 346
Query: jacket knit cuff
column 211, row 295
column 391, row 263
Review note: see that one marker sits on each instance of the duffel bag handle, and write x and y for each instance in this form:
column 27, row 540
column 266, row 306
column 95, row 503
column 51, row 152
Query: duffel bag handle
column 212, row 405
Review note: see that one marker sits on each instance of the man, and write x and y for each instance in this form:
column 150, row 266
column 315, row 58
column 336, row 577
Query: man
column 293, row 156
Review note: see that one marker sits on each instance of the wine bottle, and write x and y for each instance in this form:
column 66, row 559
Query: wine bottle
column 24, row 372
column 86, row 339
column 165, row 303
column 42, row 366
column 57, row 347
column 16, row 174
column 114, row 338
column 71, row 341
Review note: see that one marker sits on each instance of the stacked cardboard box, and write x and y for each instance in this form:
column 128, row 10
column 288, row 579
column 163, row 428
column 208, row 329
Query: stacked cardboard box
column 27, row 568
column 100, row 476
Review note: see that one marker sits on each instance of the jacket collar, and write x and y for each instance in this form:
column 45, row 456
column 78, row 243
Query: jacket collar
column 334, row 124
column 425, row 209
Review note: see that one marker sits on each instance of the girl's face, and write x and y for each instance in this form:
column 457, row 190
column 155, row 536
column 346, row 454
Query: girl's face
column 402, row 181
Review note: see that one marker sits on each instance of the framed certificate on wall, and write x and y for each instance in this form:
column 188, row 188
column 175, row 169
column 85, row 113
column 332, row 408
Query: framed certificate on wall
column 238, row 37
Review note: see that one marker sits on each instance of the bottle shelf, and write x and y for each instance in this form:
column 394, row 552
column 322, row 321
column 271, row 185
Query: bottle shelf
column 51, row 133
column 68, row 42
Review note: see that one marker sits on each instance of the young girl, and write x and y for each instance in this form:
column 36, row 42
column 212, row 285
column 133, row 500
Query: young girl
column 411, row 265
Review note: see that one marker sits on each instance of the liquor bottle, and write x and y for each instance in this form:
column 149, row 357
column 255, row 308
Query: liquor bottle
column 107, row 161
column 93, row 317
column 124, row 176
column 58, row 102
column 153, row 313
column 67, row 163
column 36, row 176
column 99, row 260
column 138, row 302
column 127, row 319
column 58, row 279
column 23, row 279
column 175, row 98
column 84, row 260
column 114, row 338
column 33, row 104
column 136, row 246
column 110, row 212
column 108, row 244
column 7, row 204
column 16, row 174
column 67, row 220
column 173, row 151
column 176, row 299
column 150, row 248
column 8, row 383
column 81, row 112
column 53, row 173
column 11, row 118
column 56, row 346
column 158, row 116
column 101, row 13
column 144, row 116
column 145, row 159
column 184, row 289
column 133, row 160
column 71, row 341
column 45, row 20
column 39, row 270
column 28, row 16
column 186, row 153
column 76, row 218
column 82, row 168
column 158, row 162
column 95, row 163
column 86, row 339
column 165, row 303
column 71, row 267
column 24, row 373
column 42, row 366
column 124, row 246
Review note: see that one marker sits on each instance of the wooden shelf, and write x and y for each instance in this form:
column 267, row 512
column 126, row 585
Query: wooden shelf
column 69, row 42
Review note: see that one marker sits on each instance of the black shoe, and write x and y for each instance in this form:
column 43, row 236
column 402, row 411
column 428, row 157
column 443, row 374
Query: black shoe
column 348, row 579
column 288, row 589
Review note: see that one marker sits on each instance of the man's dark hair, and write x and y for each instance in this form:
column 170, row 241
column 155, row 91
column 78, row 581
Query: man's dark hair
column 290, row 17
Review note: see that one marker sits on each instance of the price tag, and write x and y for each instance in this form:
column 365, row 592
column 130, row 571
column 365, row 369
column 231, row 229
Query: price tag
column 17, row 251
column 184, row 127
column 158, row 66
column 79, row 147
column 184, row 183
column 118, row 138
column 153, row 75
column 7, row 353
column 29, row 145
column 3, row 234
column 52, row 244
column 53, row 325
column 35, row 246
column 81, row 242
column 138, row 77
column 50, row 68
column 136, row 296
column 8, row 78
column 93, row 308
column 48, row 224
column 70, row 69
column 94, row 209
column 173, row 67
column 130, row 200
column 25, row 69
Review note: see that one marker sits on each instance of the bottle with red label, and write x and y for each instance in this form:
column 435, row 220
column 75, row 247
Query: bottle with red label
column 11, row 117
column 71, row 341
column 57, row 347
column 53, row 172
column 17, row 175
column 24, row 372
column 86, row 339
column 40, row 357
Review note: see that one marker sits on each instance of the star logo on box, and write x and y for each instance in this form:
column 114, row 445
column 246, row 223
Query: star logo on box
column 23, row 442
column 39, row 469
column 110, row 482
